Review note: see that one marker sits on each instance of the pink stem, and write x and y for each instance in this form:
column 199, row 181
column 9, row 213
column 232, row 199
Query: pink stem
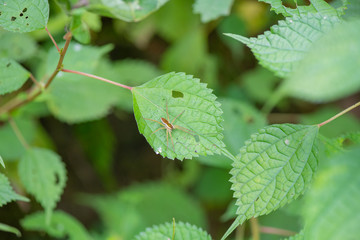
column 52, row 39
column 97, row 77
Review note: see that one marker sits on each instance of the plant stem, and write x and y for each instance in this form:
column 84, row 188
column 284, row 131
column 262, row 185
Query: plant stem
column 339, row 114
column 35, row 90
column 97, row 77
column 18, row 133
column 52, row 39
column 277, row 231
column 255, row 229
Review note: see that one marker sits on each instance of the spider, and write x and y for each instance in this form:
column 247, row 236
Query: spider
column 169, row 126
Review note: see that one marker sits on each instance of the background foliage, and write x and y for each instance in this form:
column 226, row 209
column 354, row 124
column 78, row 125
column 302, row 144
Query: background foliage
column 244, row 82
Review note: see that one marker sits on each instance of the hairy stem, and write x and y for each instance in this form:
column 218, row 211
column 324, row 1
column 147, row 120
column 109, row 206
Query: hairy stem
column 339, row 114
column 98, row 78
column 18, row 133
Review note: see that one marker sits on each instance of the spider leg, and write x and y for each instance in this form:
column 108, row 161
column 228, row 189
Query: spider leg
column 177, row 117
column 167, row 138
column 157, row 130
column 154, row 121
column 184, row 129
column 172, row 142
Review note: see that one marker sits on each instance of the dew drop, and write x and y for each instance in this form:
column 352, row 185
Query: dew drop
column 158, row 150
column 287, row 142
column 291, row 21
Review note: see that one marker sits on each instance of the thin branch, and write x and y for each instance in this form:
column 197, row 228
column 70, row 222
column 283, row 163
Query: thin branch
column 97, row 77
column 18, row 133
column 339, row 114
column 277, row 231
column 255, row 229
column 52, row 39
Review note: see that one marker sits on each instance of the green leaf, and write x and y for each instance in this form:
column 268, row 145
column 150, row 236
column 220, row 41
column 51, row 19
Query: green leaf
column 44, row 175
column 62, row 225
column 23, row 15
column 353, row 9
column 16, row 46
column 127, row 10
column 281, row 49
column 183, row 231
column 317, row 80
column 10, row 229
column 212, row 9
column 7, row 194
column 10, row 146
column 332, row 209
column 130, row 211
column 12, row 75
column 176, row 95
column 274, row 167
column 316, row 6
column 74, row 98
column 80, row 30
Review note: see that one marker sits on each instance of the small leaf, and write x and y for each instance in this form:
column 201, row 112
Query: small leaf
column 316, row 6
column 210, row 10
column 317, row 80
column 281, row 49
column 332, row 209
column 10, row 229
column 274, row 168
column 23, row 15
column 183, row 231
column 198, row 116
column 12, row 75
column 62, row 225
column 127, row 10
column 7, row 194
column 43, row 175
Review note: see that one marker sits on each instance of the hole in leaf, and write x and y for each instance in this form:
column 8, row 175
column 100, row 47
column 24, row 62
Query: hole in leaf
column 177, row 94
column 24, row 10
column 13, row 18
column 8, row 65
column 0, row 13
column 27, row 17
column 21, row 14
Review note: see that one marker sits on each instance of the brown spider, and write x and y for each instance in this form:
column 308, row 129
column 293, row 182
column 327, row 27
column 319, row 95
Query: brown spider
column 169, row 126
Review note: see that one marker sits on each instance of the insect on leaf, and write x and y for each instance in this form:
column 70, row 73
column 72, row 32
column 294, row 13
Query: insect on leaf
column 197, row 125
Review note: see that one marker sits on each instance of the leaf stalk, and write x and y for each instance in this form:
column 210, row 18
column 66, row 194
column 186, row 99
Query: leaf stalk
column 339, row 114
